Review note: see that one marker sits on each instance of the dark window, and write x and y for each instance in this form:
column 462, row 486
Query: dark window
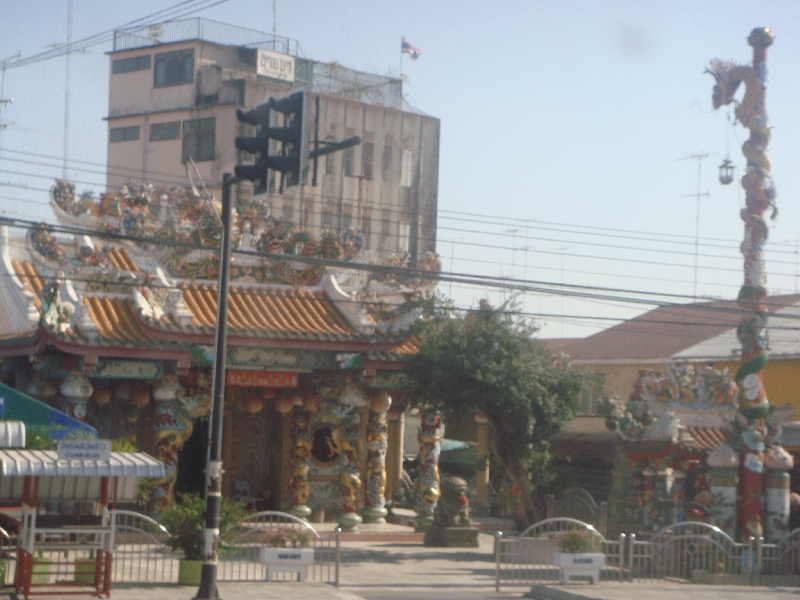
column 387, row 162
column 348, row 157
column 174, row 68
column 135, row 63
column 198, row 139
column 367, row 154
column 165, row 131
column 125, row 134
column 330, row 162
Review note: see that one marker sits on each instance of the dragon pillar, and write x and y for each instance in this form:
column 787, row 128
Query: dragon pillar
column 751, row 431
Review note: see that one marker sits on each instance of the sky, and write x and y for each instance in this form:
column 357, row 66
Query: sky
column 563, row 129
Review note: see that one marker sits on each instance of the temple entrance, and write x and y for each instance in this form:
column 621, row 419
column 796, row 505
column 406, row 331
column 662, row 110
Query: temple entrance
column 192, row 460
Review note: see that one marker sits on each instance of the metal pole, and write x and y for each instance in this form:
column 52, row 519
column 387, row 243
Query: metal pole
column 208, row 575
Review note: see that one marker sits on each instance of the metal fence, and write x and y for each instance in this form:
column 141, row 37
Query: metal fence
column 578, row 503
column 689, row 552
column 141, row 553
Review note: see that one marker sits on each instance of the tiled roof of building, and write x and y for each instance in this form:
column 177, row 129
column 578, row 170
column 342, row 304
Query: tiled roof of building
column 121, row 260
column 396, row 354
column 703, row 438
column 30, row 278
column 658, row 334
column 115, row 319
column 274, row 312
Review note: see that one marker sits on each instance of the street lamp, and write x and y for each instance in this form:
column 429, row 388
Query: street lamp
column 726, row 171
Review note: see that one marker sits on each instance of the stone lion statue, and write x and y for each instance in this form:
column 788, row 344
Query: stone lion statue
column 452, row 510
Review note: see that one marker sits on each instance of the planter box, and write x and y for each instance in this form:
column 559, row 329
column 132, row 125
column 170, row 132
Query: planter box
column 584, row 564
column 295, row 560
column 40, row 571
column 84, row 571
column 189, row 572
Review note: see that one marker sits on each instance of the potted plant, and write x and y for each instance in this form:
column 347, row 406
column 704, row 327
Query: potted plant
column 287, row 550
column 185, row 521
column 579, row 554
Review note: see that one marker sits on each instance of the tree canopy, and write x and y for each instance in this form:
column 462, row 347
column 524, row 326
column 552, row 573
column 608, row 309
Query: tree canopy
column 489, row 361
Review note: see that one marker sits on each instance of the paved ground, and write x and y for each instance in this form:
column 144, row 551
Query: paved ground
column 394, row 570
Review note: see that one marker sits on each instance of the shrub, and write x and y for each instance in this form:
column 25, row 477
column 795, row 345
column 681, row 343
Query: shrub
column 185, row 521
column 288, row 538
column 575, row 541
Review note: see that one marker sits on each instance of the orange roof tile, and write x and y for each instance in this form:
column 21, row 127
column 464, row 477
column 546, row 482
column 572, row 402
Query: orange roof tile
column 292, row 313
column 705, row 438
column 30, row 278
column 121, row 260
column 115, row 319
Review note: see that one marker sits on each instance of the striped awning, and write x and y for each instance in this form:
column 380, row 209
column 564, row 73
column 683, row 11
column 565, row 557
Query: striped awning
column 44, row 463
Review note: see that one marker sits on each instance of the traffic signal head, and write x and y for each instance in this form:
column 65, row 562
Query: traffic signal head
column 293, row 137
column 258, row 146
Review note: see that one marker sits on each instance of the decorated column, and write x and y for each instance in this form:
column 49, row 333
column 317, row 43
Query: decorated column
column 778, row 463
column 753, row 432
column 171, row 428
column 76, row 390
column 482, row 468
column 300, row 455
column 431, row 431
column 394, row 454
column 377, row 444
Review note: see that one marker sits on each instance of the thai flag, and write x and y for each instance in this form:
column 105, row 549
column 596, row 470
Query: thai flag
column 407, row 47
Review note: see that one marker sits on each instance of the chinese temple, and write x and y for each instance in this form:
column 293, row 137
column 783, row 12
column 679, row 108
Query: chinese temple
column 109, row 316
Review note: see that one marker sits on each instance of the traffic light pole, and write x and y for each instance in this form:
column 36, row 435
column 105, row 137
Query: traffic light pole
column 208, row 577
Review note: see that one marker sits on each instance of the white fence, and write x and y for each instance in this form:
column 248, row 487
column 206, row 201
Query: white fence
column 686, row 552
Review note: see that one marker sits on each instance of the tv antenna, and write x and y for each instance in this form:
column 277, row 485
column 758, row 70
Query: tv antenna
column 697, row 195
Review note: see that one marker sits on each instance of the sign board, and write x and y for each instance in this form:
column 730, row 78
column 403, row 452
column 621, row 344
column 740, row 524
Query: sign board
column 275, row 66
column 127, row 369
column 155, row 31
column 262, row 379
column 84, row 450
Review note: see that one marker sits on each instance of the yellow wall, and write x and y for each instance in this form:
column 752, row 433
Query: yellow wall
column 781, row 380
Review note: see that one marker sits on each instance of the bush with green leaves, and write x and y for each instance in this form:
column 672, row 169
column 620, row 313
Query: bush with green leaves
column 577, row 541
column 185, row 521
column 488, row 361
column 286, row 537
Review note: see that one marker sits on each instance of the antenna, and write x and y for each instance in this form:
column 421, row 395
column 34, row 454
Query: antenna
column 699, row 158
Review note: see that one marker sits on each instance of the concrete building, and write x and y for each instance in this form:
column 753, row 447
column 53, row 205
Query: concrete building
column 173, row 94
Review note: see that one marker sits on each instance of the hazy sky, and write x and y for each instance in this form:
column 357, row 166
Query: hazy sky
column 563, row 120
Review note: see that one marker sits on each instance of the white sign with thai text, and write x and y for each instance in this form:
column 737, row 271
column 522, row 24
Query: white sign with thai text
column 275, row 65
column 84, row 450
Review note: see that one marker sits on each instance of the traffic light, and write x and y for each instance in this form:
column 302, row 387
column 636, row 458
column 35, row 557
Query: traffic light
column 293, row 138
column 258, row 146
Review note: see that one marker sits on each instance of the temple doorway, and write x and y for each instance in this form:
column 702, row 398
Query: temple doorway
column 192, row 460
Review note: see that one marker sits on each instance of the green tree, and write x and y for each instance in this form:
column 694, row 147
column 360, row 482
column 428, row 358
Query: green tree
column 489, row 361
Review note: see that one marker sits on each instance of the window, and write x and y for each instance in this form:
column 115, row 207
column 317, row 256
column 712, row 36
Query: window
column 367, row 153
column 387, row 162
column 165, row 131
column 386, row 231
column 347, row 216
column 348, row 157
column 198, row 139
column 405, row 174
column 135, row 63
column 174, row 68
column 125, row 134
column 327, row 218
column 330, row 162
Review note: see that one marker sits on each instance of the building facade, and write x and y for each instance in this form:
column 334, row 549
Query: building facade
column 173, row 95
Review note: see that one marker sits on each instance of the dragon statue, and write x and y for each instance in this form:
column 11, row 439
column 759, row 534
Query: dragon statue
column 754, row 427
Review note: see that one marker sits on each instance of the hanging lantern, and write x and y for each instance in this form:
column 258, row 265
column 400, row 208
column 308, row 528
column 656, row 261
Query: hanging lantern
column 251, row 403
column 311, row 400
column 726, row 170
column 283, row 403
column 101, row 396
column 380, row 402
column 139, row 397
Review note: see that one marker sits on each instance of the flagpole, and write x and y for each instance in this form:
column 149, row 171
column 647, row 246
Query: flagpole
column 401, row 61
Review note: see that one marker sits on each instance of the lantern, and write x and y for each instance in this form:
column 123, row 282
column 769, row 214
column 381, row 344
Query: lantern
column 251, row 403
column 380, row 402
column 311, row 400
column 283, row 403
column 101, row 396
column 726, row 170
column 139, row 397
